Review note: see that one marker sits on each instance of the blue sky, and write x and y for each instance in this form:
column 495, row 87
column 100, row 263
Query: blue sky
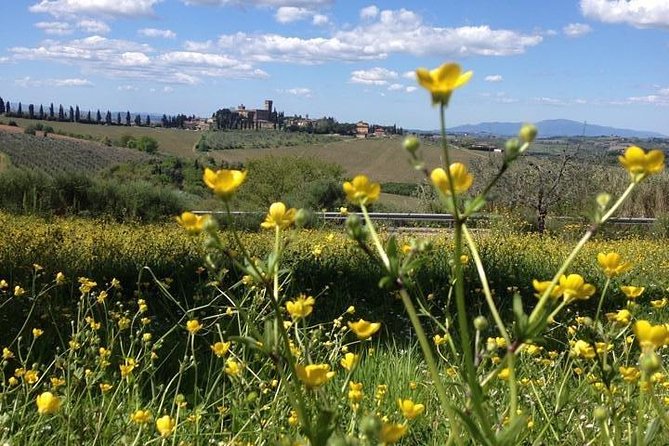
column 600, row 61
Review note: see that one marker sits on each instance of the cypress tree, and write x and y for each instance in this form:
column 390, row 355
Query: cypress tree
column 2, row 106
column 77, row 114
column 127, row 118
column 20, row 110
column 98, row 117
column 51, row 112
column 148, row 121
column 118, row 118
column 71, row 114
column 88, row 117
column 108, row 118
column 61, row 113
column 41, row 112
column 31, row 111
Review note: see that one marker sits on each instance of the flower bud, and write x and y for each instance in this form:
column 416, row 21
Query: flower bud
column 354, row 228
column 480, row 323
column 370, row 426
column 527, row 132
column 601, row 413
column 411, row 144
column 302, row 217
column 649, row 362
column 512, row 147
column 603, row 200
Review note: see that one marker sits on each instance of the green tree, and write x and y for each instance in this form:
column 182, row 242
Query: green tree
column 138, row 120
column 52, row 114
column 41, row 112
column 108, row 118
column 98, row 117
column 19, row 111
column 2, row 106
column 71, row 115
column 31, row 111
column 77, row 114
column 127, row 118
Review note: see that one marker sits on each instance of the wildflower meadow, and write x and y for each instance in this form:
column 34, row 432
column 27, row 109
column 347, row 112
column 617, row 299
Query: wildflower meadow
column 197, row 333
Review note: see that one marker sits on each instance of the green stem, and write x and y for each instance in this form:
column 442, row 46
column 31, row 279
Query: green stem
column 375, row 238
column 601, row 299
column 513, row 384
column 447, row 160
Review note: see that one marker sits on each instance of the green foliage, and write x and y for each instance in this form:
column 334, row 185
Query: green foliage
column 142, row 143
column 406, row 189
column 257, row 139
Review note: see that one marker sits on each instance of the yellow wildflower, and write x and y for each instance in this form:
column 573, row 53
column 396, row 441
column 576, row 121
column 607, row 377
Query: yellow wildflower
column 392, row 433
column 101, row 297
column 86, row 285
column 582, row 349
column 18, row 291
column 632, row 292
column 165, row 425
column 56, row 382
column 361, row 191
column 409, row 409
column 574, row 287
column 3, row 284
column 141, row 417
column 123, row 323
column 279, row 216
column 355, row 393
column 504, row 374
column 7, row 353
column 105, row 387
column 60, row 278
column 462, row 179
column 650, row 336
column 439, row 339
column 127, row 367
column 293, row 419
column 612, row 264
column 31, row 376
column 193, row 326
column 301, row 307
column 661, row 303
column 232, row 368
column 622, row 317
column 47, row 403
column 220, row 348
column 640, row 164
column 364, row 329
column 441, row 81
column 192, row 223
column 313, row 375
column 350, row 309
column 349, row 361
column 224, row 182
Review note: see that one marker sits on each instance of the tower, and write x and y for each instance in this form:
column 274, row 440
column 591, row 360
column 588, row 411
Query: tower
column 268, row 105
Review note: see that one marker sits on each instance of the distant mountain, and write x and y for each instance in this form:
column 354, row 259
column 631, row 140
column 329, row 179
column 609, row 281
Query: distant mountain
column 554, row 127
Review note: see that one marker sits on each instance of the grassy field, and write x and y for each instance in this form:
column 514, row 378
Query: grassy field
column 172, row 141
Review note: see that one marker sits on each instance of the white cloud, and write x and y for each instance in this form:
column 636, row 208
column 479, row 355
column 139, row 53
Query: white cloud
column 638, row 13
column 395, row 87
column 369, row 12
column 373, row 76
column 320, row 20
column 409, row 75
column 54, row 28
column 411, row 89
column 191, row 45
column 168, row 89
column 267, row 3
column 4, row 59
column 660, row 97
column 154, row 32
column 576, row 29
column 93, row 26
column 393, row 32
column 298, row 91
column 550, row 101
column 288, row 14
column 493, row 78
column 27, row 82
column 134, row 58
column 107, row 8
column 127, row 88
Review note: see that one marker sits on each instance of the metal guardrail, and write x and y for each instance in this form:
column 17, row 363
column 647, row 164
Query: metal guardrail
column 413, row 217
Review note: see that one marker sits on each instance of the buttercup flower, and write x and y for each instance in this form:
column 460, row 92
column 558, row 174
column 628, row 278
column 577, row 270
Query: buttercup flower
column 18, row 291
column 439, row 339
column 314, row 375
column 660, row 303
column 47, row 403
column 364, row 329
column 441, row 81
column 361, row 191
column 127, row 368
column 232, row 368
column 582, row 349
column 349, row 361
column 7, row 353
column 141, row 416
column 301, row 307
column 611, row 264
column 165, row 425
column 355, row 392
column 650, row 336
column 392, row 433
column 629, row 374
column 541, row 286
column 193, row 224
column 220, row 349
column 632, row 292
column 193, row 326
column 462, row 179
column 224, row 182
column 621, row 317
column 409, row 409
column 640, row 164
column 279, row 216
column 573, row 287
column 60, row 278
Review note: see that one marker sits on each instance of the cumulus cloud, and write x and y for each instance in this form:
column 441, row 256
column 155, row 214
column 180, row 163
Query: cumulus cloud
column 576, row 29
column 391, row 32
column 191, row 45
column 660, row 97
column 160, row 33
column 493, row 78
column 74, row 82
column 267, row 3
column 106, row 8
column 320, row 20
column 127, row 88
column 288, row 14
column 373, row 76
column 298, row 91
column 93, row 26
column 55, row 28
column 369, row 12
column 395, row 87
column 637, row 13
column 411, row 89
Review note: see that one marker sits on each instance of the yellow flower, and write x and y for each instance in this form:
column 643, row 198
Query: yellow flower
column 193, row 224
column 60, row 279
column 232, row 368
column 632, row 292
column 101, row 297
column 650, row 336
column 193, row 326
column 504, row 374
column 220, row 348
column 123, row 323
column 621, row 317
column 224, row 182
column 441, row 81
column 7, row 353
column 350, row 309
column 439, row 339
column 86, row 285
column 165, row 425
column 31, row 376
column 582, row 349
column 611, row 264
column 541, row 286
column 409, row 409
column 127, row 367
column 293, row 419
column 360, row 191
column 314, row 375
column 47, row 403
column 105, row 387
column 349, row 361
column 18, row 291
column 629, row 374
column 391, row 432
column 141, row 417
column 279, row 216
column 661, row 303
column 3, row 284
column 300, row 307
column 462, row 179
column 355, row 393
column 574, row 287
column 640, row 164
column 364, row 329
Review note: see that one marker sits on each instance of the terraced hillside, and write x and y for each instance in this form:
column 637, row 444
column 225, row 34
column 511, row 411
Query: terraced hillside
column 54, row 155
